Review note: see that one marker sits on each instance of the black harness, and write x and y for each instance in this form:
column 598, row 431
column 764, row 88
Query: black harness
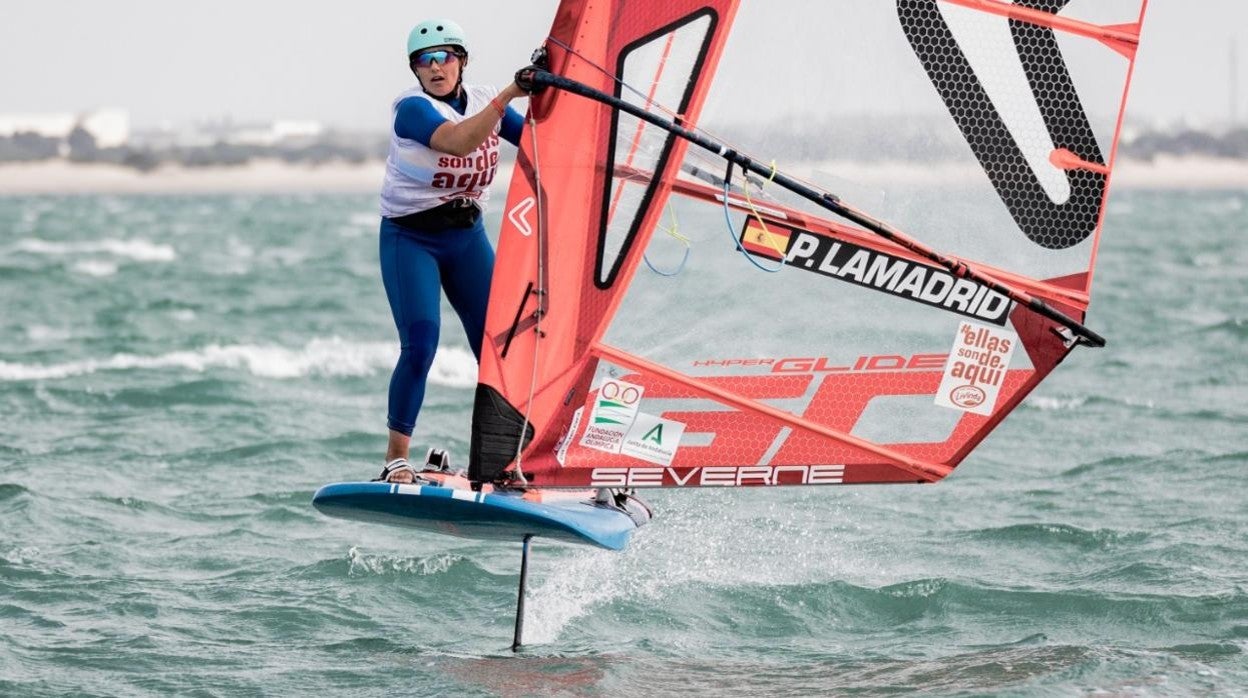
column 456, row 213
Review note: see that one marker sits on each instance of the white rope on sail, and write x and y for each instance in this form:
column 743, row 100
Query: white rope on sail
column 540, row 292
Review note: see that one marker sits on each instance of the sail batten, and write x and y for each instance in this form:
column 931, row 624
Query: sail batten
column 1120, row 37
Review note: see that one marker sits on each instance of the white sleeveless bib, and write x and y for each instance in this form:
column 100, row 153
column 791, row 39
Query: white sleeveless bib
column 419, row 178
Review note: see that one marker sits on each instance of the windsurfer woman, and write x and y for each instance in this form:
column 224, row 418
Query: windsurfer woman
column 443, row 155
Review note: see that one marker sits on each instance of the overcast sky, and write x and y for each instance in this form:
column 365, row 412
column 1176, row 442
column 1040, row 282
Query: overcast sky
column 342, row 63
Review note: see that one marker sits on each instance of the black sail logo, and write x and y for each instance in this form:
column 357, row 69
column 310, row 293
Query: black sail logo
column 1051, row 225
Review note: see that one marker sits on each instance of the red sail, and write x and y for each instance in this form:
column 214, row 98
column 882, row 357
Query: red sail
column 569, row 225
column 798, row 350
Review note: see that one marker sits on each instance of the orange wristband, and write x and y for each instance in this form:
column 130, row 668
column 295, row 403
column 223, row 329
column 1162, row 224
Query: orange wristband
column 502, row 111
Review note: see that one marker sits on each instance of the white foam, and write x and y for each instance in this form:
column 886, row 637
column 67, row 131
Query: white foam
column 699, row 545
column 1041, row 402
column 360, row 224
column 114, row 205
column 283, row 256
column 44, row 333
column 377, row 565
column 22, row 556
column 137, row 249
column 1227, row 205
column 369, row 219
column 95, row 267
column 453, row 367
column 580, row 582
column 240, row 249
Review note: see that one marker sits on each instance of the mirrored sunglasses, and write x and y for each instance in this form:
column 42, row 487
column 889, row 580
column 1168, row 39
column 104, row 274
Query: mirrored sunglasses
column 440, row 56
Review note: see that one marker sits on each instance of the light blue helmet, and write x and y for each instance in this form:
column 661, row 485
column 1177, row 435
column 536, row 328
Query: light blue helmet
column 436, row 32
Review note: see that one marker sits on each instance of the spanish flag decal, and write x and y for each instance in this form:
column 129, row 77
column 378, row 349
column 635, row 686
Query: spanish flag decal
column 765, row 239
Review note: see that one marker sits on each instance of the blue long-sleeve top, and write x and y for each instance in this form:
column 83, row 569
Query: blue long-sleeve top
column 416, row 119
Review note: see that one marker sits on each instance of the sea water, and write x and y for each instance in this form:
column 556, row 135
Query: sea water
column 178, row 374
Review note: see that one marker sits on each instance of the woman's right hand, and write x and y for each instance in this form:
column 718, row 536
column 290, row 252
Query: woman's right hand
column 510, row 92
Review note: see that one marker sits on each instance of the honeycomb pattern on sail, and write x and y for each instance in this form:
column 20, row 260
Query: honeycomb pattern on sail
column 998, row 145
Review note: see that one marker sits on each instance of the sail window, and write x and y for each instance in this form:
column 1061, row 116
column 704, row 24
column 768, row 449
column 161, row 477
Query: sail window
column 659, row 71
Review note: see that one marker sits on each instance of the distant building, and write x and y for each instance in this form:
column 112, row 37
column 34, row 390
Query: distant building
column 208, row 133
column 281, row 131
column 168, row 135
column 109, row 127
column 55, row 126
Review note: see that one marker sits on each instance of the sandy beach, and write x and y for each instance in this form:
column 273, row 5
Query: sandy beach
column 60, row 177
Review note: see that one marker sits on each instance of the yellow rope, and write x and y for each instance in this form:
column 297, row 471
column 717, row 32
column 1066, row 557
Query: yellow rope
column 674, row 230
column 674, row 233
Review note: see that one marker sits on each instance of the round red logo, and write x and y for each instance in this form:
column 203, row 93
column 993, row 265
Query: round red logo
column 967, row 396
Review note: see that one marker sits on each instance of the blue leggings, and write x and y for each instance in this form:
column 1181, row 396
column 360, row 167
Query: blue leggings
column 415, row 267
